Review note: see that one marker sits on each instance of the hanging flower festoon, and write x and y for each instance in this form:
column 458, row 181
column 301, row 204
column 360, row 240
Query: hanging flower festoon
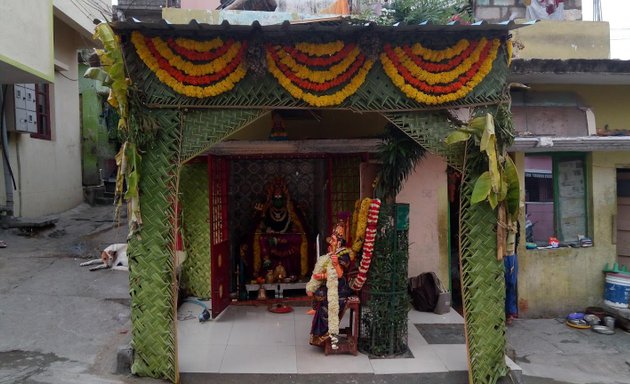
column 321, row 74
column 192, row 67
column 439, row 76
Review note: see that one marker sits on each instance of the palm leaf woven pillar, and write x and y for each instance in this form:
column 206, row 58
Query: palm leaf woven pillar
column 196, row 229
column 483, row 286
column 151, row 263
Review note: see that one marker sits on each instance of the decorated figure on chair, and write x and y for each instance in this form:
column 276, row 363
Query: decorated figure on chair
column 329, row 288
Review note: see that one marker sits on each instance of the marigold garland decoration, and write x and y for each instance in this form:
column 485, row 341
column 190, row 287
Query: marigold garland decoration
column 439, row 76
column 321, row 74
column 193, row 68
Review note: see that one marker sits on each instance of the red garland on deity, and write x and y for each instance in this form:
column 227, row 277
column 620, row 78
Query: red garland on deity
column 305, row 84
column 368, row 245
column 194, row 80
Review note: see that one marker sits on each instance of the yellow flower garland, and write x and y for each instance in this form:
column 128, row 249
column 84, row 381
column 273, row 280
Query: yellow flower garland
column 325, row 49
column 189, row 90
column 304, row 72
column 442, row 54
column 191, row 68
column 441, row 77
column 313, row 99
column 355, row 218
column 509, row 48
column 362, row 220
column 199, row 46
column 426, row 98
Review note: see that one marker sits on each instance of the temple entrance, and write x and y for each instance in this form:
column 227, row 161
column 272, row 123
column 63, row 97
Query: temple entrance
column 279, row 210
column 288, row 176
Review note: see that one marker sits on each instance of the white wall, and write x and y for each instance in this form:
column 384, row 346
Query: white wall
column 48, row 172
column 426, row 192
column 26, row 49
column 79, row 14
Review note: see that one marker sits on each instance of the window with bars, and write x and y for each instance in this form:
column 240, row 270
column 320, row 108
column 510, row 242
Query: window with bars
column 42, row 108
column 555, row 196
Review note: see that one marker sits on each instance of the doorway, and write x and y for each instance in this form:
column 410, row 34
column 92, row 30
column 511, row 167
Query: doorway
column 623, row 217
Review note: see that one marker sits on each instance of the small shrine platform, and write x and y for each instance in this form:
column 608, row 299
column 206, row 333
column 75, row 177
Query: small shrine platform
column 278, row 288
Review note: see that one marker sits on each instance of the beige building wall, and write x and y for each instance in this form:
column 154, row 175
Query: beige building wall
column 80, row 15
column 555, row 282
column 426, row 192
column 26, row 41
column 559, row 281
column 608, row 102
column 549, row 39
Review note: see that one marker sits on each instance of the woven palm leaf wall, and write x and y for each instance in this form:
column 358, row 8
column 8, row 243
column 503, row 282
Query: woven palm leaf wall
column 185, row 133
column 483, row 285
column 204, row 128
column 151, row 267
column 377, row 93
column 195, row 272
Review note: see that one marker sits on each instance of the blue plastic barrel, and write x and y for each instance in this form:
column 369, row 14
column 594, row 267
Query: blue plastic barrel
column 617, row 290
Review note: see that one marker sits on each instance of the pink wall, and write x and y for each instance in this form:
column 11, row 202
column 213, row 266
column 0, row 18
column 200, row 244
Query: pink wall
column 200, row 4
column 541, row 215
column 426, row 192
column 538, row 162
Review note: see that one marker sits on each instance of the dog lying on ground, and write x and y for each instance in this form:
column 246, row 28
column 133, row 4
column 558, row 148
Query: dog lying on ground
column 113, row 257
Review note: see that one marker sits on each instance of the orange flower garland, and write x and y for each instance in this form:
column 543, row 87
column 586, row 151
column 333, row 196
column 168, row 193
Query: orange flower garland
column 437, row 77
column 220, row 67
column 321, row 74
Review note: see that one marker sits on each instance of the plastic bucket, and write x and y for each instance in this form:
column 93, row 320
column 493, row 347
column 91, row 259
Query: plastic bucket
column 617, row 290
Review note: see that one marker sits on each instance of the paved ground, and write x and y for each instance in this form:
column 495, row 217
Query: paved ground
column 548, row 351
column 60, row 323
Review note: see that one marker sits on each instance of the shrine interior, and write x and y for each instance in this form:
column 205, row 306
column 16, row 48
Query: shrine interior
column 287, row 184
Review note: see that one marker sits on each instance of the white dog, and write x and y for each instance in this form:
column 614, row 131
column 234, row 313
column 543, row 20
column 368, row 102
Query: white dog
column 113, row 257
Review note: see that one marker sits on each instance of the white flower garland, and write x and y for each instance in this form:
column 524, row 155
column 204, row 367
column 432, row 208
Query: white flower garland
column 332, row 283
column 324, row 265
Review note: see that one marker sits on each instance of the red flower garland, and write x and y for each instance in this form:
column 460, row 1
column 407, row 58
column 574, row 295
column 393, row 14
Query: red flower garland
column 438, row 67
column 194, row 80
column 437, row 89
column 305, row 84
column 368, row 245
column 199, row 56
column 305, row 59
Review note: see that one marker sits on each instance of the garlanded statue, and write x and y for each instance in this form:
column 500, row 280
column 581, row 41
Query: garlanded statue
column 279, row 237
column 329, row 287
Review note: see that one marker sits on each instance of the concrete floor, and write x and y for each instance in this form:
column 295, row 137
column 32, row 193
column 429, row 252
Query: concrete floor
column 60, row 323
column 250, row 339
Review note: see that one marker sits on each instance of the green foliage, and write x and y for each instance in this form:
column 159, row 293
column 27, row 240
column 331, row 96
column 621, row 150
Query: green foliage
column 418, row 11
column 398, row 155
column 112, row 71
column 500, row 182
